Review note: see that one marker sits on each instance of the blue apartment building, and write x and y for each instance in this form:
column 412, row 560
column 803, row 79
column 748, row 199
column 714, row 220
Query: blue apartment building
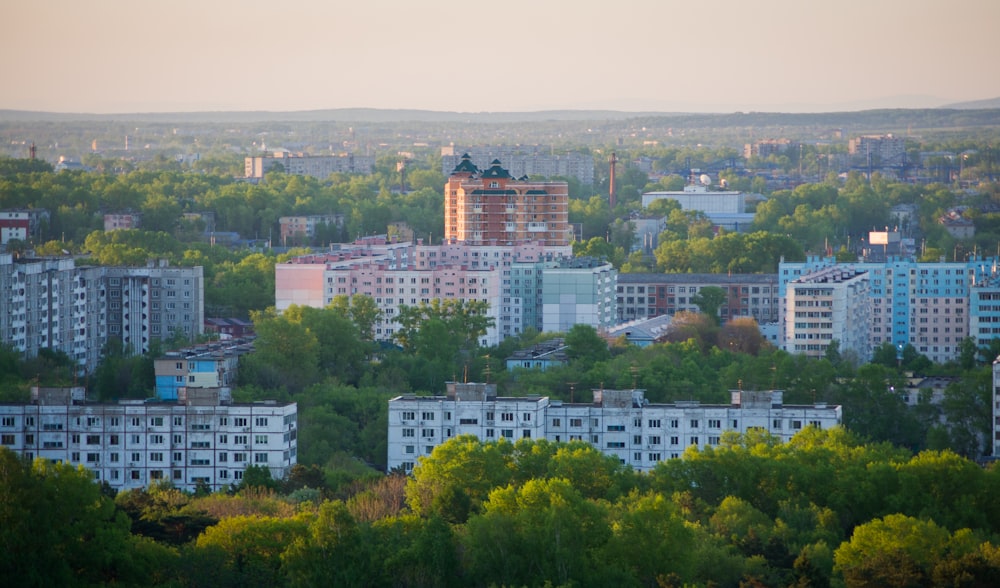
column 928, row 305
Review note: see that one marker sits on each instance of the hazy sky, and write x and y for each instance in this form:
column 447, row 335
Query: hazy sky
column 509, row 55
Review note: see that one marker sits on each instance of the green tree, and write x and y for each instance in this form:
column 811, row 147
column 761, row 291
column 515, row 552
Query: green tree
column 709, row 300
column 583, row 343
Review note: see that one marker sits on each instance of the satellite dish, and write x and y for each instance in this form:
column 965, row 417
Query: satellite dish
column 705, row 179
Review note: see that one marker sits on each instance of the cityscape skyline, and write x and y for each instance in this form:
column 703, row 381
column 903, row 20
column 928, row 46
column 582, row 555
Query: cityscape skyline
column 640, row 55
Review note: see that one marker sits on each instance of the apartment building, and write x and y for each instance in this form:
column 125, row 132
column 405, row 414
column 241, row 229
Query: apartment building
column 621, row 423
column 884, row 149
column 202, row 440
column 205, row 366
column 641, row 296
column 122, row 220
column 153, row 302
column 537, row 160
column 923, row 304
column 494, row 207
column 830, row 304
column 578, row 290
column 303, row 228
column 52, row 304
column 300, row 164
column 395, row 274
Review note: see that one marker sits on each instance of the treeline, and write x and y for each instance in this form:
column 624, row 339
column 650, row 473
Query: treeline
column 821, row 510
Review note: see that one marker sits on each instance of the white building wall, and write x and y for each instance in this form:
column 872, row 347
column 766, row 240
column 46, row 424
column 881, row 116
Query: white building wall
column 132, row 444
column 640, row 435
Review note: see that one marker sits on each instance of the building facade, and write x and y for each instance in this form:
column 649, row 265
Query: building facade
column 317, row 166
column 578, row 290
column 493, row 207
column 14, row 224
column 122, row 220
column 52, row 304
column 923, row 304
column 396, row 274
column 304, row 228
column 641, row 296
column 202, row 441
column 701, row 198
column 210, row 366
column 885, row 149
column 533, row 161
column 620, row 423
column 831, row 304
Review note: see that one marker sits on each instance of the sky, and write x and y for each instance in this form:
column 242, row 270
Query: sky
column 127, row 56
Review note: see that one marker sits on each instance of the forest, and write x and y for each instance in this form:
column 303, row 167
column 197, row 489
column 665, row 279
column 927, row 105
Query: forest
column 825, row 509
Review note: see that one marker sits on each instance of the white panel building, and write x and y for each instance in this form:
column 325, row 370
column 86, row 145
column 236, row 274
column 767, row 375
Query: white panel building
column 619, row 422
column 831, row 304
column 203, row 439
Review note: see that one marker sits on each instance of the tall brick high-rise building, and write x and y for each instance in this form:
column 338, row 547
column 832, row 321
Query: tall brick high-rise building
column 492, row 207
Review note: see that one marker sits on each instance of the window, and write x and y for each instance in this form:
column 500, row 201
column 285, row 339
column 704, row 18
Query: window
column 655, row 440
column 526, row 434
column 576, row 422
column 714, row 424
column 158, row 439
column 508, row 433
column 427, row 433
column 468, row 421
column 260, row 421
column 694, row 423
column 239, row 457
column 408, row 416
column 93, row 439
column 654, row 457
column 654, row 423
column 409, row 449
column 7, row 439
column 796, row 425
column 156, row 456
column 224, row 421
column 408, row 432
column 675, row 440
column 178, row 421
column 556, row 423
column 240, row 422
column 156, row 422
column 526, row 416
column 776, row 424
column 616, row 428
column 507, row 416
column 694, row 441
column 260, row 439
column 178, row 456
column 260, row 458
column 136, row 457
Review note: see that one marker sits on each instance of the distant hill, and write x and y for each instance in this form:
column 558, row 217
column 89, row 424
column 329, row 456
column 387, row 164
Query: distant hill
column 875, row 120
column 372, row 115
column 975, row 104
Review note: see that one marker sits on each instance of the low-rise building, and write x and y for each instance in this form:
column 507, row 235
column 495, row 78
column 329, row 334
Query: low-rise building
column 621, row 423
column 541, row 357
